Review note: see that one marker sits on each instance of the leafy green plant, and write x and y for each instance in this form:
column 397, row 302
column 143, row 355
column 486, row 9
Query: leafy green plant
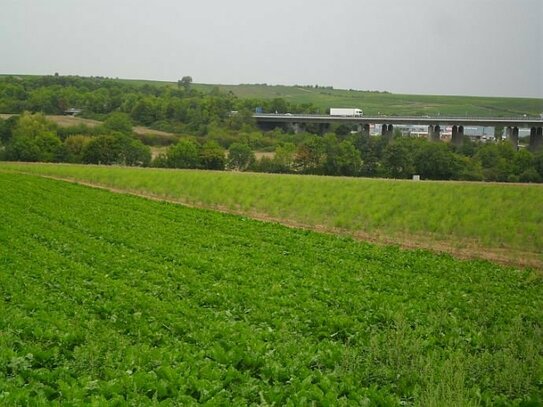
column 112, row 299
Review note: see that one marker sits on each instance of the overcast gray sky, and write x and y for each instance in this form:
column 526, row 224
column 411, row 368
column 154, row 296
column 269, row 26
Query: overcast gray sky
column 469, row 47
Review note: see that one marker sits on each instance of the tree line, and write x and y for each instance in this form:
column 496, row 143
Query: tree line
column 216, row 131
column 179, row 109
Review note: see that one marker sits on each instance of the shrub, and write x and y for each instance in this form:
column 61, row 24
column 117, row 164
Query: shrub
column 240, row 156
column 183, row 155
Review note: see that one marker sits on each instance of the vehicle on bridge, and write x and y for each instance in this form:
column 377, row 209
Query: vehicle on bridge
column 345, row 112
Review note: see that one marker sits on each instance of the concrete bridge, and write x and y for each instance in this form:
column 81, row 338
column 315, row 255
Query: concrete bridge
column 435, row 124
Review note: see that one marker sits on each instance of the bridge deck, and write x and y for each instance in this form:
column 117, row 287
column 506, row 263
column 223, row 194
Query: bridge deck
column 419, row 120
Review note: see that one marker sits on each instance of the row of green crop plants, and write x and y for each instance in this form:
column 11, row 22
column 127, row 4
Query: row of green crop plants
column 490, row 216
column 181, row 306
column 33, row 138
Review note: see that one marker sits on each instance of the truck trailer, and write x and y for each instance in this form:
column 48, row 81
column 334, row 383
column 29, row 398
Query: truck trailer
column 345, row 112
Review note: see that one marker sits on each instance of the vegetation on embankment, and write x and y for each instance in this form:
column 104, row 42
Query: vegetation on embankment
column 112, row 299
column 499, row 220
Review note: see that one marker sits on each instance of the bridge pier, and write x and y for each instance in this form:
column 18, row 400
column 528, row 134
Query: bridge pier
column 536, row 138
column 319, row 123
column 434, row 132
column 508, row 133
column 366, row 130
column 387, row 131
column 457, row 137
column 512, row 136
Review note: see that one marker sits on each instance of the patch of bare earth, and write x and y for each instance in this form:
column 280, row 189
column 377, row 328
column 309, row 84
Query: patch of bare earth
column 69, row 121
column 145, row 130
column 459, row 248
column 267, row 154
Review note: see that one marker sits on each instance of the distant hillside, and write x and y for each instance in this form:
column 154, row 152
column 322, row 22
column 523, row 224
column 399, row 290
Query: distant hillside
column 375, row 102
column 388, row 103
column 380, row 102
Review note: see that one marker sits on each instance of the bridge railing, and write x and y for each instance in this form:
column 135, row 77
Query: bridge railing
column 426, row 117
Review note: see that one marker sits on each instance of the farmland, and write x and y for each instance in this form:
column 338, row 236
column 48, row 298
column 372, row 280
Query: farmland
column 497, row 221
column 111, row 298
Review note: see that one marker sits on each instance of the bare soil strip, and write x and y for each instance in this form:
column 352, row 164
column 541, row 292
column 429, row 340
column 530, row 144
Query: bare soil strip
column 464, row 249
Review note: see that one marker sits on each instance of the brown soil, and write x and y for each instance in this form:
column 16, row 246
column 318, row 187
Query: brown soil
column 145, row 130
column 67, row 121
column 267, row 154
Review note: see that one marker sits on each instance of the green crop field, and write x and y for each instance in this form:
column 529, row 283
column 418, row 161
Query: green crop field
column 111, row 299
column 497, row 221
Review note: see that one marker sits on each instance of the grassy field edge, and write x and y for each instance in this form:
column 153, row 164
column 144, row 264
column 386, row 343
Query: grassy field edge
column 459, row 246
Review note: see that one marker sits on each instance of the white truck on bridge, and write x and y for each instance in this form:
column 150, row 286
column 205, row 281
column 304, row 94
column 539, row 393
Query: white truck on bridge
column 345, row 112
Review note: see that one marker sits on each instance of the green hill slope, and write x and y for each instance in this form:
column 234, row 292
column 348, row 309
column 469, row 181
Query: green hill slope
column 389, row 103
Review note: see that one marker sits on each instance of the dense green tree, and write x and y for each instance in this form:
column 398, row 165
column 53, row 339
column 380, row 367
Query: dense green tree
column 310, row 156
column 50, row 147
column 23, row 149
column 134, row 152
column 116, row 148
column 278, row 105
column 398, row 160
column 44, row 100
column 184, row 154
column 500, row 171
column 212, row 156
column 538, row 163
column 240, row 156
column 242, row 119
column 185, row 82
column 488, row 155
column 346, row 160
column 341, row 158
column 530, row 175
column 523, row 160
column 505, row 150
column 34, row 138
column 436, row 161
column 119, row 122
column 468, row 169
column 102, row 150
column 31, row 125
column 6, row 129
column 74, row 146
column 284, row 156
column 371, row 150
column 146, row 111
